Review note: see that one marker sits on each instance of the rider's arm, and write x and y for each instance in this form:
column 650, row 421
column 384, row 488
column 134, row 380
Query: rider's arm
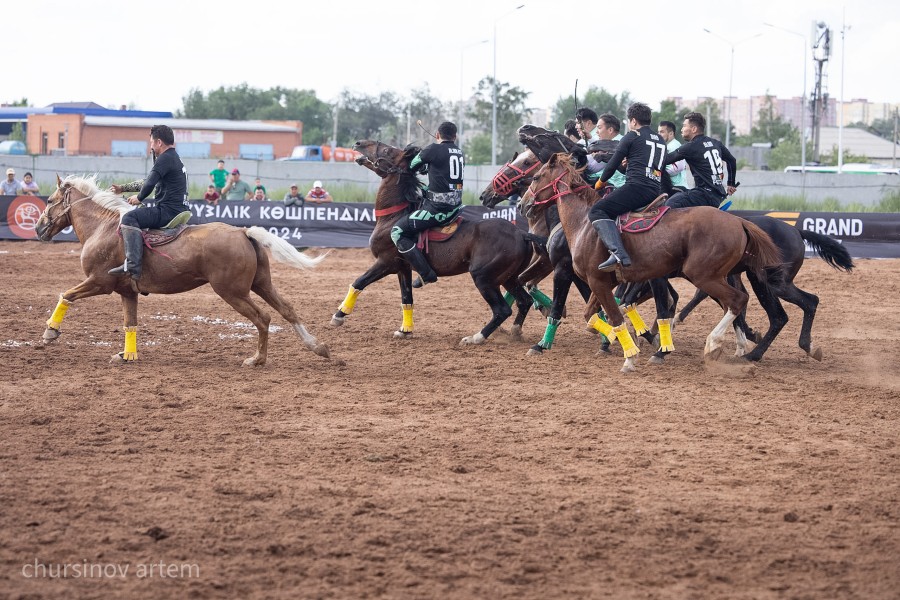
column 618, row 157
column 134, row 186
column 673, row 157
column 149, row 184
column 730, row 161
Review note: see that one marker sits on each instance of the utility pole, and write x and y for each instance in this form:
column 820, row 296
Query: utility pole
column 894, row 157
column 821, row 47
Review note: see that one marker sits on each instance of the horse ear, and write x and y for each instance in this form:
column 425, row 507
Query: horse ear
column 58, row 181
column 515, row 156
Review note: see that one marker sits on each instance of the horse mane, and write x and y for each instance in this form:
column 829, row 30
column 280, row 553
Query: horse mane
column 87, row 185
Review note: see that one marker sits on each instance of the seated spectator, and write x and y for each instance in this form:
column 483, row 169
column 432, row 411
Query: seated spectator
column 318, row 193
column 259, row 195
column 236, row 189
column 211, row 196
column 29, row 187
column 293, row 198
column 10, row 186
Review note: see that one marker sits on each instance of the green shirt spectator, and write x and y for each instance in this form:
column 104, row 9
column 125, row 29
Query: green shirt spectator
column 219, row 176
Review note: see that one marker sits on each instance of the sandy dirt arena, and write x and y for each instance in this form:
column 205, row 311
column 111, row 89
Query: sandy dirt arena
column 422, row 469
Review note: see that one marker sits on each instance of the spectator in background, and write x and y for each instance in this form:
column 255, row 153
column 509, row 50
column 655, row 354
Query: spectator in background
column 211, row 196
column 258, row 185
column 318, row 194
column 586, row 122
column 10, row 186
column 29, row 187
column 219, row 176
column 571, row 131
column 259, row 195
column 235, row 189
column 293, row 198
column 666, row 131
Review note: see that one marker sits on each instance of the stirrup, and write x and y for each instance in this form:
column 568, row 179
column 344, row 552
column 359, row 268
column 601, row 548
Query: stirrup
column 610, row 263
column 179, row 219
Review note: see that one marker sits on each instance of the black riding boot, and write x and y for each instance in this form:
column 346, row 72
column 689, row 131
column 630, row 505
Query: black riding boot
column 417, row 259
column 134, row 253
column 609, row 235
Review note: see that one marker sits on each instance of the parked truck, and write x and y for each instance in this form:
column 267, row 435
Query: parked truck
column 322, row 154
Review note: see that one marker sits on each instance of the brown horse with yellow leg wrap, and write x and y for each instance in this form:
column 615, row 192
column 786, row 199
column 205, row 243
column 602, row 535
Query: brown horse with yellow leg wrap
column 701, row 244
column 231, row 259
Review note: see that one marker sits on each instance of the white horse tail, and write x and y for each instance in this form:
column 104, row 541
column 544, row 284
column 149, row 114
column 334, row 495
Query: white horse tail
column 281, row 250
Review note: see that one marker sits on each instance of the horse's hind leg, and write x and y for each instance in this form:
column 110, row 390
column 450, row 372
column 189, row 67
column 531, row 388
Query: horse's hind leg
column 699, row 297
column 523, row 305
column 774, row 311
column 267, row 291
column 809, row 303
column 245, row 305
column 500, row 309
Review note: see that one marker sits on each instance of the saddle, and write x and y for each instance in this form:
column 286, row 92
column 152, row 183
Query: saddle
column 169, row 233
column 645, row 218
column 438, row 234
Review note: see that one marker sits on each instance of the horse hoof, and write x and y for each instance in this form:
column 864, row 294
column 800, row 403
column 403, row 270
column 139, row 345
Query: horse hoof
column 253, row 362
column 740, row 352
column 337, row 321
column 656, row 360
column 535, row 351
column 604, row 350
column 472, row 340
column 119, row 359
column 626, row 368
column 515, row 333
column 403, row 335
column 417, row 282
column 322, row 350
column 816, row 354
column 50, row 335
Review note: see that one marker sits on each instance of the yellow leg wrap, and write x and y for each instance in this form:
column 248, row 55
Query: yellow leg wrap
column 665, row 335
column 634, row 316
column 407, row 326
column 626, row 340
column 600, row 325
column 59, row 312
column 349, row 302
column 130, row 344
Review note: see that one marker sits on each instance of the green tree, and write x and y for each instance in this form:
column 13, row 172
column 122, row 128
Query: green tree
column 881, row 127
column 668, row 111
column 17, row 132
column 369, row 117
column 477, row 149
column 511, row 114
column 831, row 158
column 423, row 106
column 597, row 99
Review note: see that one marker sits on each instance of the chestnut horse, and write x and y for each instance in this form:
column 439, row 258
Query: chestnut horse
column 230, row 259
column 492, row 251
column 701, row 244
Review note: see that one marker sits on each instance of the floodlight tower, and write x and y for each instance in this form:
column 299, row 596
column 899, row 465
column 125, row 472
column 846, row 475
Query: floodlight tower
column 821, row 48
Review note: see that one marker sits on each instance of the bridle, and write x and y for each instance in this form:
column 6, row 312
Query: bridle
column 391, row 169
column 503, row 184
column 557, row 192
column 67, row 205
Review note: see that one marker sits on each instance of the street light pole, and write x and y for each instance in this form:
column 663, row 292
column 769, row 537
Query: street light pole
column 461, row 50
column 494, row 91
column 730, row 80
column 803, row 97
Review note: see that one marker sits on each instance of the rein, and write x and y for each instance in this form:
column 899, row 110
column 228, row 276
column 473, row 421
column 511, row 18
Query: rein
column 67, row 205
column 557, row 193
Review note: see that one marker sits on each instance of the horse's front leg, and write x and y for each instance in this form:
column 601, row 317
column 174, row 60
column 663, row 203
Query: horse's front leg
column 404, row 276
column 85, row 289
column 379, row 270
column 602, row 288
column 129, row 354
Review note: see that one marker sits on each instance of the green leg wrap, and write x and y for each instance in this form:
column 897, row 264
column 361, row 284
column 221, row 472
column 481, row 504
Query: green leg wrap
column 549, row 333
column 510, row 299
column 540, row 298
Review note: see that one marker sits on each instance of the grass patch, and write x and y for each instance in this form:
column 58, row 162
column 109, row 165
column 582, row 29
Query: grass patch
column 889, row 204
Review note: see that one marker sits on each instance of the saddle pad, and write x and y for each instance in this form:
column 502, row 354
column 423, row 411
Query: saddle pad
column 438, row 234
column 638, row 222
column 161, row 237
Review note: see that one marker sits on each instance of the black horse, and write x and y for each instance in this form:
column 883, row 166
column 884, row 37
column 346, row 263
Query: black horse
column 492, row 251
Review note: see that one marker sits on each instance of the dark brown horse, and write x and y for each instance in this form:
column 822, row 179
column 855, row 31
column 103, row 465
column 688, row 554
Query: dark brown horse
column 232, row 260
column 700, row 244
column 493, row 251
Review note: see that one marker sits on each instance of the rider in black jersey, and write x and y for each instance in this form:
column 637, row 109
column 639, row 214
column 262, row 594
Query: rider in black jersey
column 705, row 157
column 169, row 177
column 645, row 152
column 443, row 201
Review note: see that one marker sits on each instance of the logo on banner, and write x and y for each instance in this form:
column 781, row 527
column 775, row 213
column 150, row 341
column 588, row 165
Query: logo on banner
column 23, row 214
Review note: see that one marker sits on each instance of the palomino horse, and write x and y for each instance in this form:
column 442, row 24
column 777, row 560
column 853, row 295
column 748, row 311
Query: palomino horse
column 492, row 251
column 230, row 259
column 701, row 244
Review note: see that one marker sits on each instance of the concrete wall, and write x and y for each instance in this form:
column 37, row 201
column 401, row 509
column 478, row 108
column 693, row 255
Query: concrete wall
column 863, row 189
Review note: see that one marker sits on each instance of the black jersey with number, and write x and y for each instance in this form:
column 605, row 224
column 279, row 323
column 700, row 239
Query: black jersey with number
column 169, row 177
column 445, row 166
column 645, row 152
column 705, row 157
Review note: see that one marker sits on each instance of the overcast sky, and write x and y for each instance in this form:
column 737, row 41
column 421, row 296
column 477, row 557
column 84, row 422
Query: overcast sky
column 152, row 53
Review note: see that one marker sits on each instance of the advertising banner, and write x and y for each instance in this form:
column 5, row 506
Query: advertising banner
column 349, row 225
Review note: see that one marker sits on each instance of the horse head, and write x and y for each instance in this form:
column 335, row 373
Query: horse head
column 56, row 216
column 384, row 159
column 545, row 143
column 558, row 178
column 514, row 178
